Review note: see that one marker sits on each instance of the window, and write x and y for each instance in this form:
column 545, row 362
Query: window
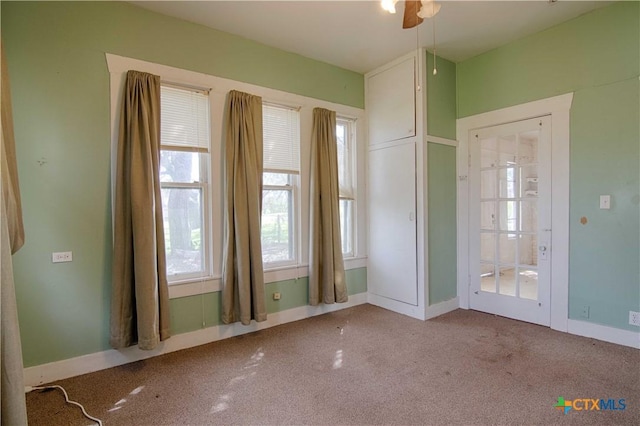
column 345, row 135
column 184, row 172
column 281, row 145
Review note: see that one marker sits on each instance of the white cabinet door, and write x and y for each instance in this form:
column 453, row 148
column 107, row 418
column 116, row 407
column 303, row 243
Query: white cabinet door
column 392, row 270
column 391, row 103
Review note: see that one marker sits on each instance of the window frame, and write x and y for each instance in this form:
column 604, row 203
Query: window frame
column 203, row 184
column 293, row 186
column 350, row 146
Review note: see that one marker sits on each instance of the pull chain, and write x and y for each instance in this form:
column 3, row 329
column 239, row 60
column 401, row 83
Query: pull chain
column 435, row 70
column 417, row 48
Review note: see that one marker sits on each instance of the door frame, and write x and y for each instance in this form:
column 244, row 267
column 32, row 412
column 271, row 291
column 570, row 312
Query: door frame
column 558, row 107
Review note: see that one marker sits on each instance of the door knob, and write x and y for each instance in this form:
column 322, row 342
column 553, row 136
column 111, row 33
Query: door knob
column 542, row 248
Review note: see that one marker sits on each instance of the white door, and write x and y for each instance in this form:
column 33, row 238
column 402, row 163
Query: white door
column 510, row 220
column 392, row 267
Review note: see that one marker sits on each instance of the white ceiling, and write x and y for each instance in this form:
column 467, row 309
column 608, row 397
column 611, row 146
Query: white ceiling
column 360, row 36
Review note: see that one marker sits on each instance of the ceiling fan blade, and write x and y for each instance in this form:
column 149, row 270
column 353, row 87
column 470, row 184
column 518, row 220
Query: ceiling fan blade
column 411, row 18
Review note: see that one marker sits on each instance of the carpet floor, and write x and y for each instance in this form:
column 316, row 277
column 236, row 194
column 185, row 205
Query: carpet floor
column 363, row 365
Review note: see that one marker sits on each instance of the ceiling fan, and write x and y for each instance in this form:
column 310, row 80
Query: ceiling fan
column 415, row 11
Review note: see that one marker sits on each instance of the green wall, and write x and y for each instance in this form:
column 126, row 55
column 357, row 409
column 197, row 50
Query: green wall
column 60, row 88
column 442, row 183
column 596, row 56
column 187, row 312
column 441, row 180
column 441, row 98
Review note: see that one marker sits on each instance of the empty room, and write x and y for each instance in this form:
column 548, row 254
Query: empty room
column 320, row 212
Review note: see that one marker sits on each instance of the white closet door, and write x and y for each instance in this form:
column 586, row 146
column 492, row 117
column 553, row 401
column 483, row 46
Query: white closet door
column 391, row 103
column 392, row 270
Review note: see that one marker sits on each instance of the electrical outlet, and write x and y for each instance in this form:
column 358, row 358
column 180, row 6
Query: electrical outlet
column 61, row 256
column 276, row 296
column 634, row 318
column 585, row 312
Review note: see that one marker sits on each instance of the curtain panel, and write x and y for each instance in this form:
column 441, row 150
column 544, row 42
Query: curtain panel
column 13, row 406
column 140, row 294
column 242, row 275
column 326, row 266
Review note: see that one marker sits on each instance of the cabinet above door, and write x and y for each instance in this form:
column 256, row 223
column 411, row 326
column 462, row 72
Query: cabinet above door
column 391, row 104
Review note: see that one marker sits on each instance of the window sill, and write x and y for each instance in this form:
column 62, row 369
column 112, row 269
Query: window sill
column 193, row 287
column 213, row 284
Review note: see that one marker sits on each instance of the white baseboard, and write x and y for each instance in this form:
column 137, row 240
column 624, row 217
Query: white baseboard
column 412, row 310
column 442, row 308
column 84, row 364
column 601, row 332
column 604, row 333
column 396, row 306
column 46, row 373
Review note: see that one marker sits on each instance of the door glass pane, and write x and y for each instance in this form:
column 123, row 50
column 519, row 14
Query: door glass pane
column 508, row 217
column 528, row 282
column 488, row 153
column 529, row 181
column 507, row 182
column 528, row 147
column 182, row 217
column 488, row 215
column 487, row 277
column 527, row 249
column 507, row 249
column 528, row 216
column 488, row 247
column 487, row 184
column 507, row 281
column 507, row 150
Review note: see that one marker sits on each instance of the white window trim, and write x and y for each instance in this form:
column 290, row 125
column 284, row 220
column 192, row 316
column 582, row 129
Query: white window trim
column 219, row 87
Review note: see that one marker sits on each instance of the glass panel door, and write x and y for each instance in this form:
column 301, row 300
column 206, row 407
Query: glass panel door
column 508, row 196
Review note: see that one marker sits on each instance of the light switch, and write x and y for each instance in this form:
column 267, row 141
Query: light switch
column 605, row 202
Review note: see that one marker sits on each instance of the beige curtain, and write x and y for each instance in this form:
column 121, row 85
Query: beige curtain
column 326, row 267
column 14, row 411
column 140, row 296
column 243, row 280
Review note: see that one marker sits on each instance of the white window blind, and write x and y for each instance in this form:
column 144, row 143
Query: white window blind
column 184, row 119
column 281, row 136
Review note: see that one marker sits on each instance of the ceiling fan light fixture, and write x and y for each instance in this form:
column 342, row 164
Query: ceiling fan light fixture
column 429, row 9
column 389, row 5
